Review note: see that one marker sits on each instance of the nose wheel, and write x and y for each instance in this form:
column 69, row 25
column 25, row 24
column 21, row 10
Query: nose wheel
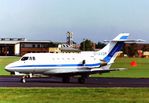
column 23, row 80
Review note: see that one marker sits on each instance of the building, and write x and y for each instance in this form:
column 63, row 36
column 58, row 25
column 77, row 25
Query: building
column 21, row 46
column 146, row 54
column 24, row 47
column 7, row 45
column 63, row 48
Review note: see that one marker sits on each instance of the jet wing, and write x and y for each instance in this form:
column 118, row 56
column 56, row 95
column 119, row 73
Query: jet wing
column 89, row 71
column 85, row 72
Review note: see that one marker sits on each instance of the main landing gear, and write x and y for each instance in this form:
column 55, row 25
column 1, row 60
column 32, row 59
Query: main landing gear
column 66, row 79
column 81, row 79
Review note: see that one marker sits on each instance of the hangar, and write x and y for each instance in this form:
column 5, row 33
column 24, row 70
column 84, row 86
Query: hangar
column 21, row 46
column 7, row 46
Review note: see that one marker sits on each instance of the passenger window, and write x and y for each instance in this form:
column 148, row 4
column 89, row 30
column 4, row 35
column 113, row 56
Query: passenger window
column 33, row 58
column 24, row 58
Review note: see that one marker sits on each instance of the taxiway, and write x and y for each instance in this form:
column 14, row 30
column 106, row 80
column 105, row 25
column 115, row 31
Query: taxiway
column 14, row 81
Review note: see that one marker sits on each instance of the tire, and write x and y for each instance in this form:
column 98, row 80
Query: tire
column 81, row 80
column 23, row 80
column 66, row 80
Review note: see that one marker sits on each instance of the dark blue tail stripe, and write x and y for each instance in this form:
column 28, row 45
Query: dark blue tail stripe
column 116, row 48
column 124, row 37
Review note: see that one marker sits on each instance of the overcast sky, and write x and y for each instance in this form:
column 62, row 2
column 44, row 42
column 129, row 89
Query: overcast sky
column 96, row 20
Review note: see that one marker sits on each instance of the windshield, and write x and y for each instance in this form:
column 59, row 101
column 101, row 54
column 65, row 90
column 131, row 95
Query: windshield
column 24, row 58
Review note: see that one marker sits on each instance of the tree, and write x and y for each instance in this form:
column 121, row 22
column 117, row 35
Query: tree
column 100, row 45
column 52, row 44
column 145, row 48
column 132, row 51
column 86, row 45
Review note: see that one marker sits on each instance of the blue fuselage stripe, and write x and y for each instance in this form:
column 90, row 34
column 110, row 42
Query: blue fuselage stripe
column 60, row 65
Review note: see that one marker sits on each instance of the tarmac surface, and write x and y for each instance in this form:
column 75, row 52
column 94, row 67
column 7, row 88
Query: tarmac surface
column 14, row 81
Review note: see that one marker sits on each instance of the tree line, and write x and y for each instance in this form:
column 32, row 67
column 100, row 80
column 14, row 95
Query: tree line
column 88, row 45
column 130, row 49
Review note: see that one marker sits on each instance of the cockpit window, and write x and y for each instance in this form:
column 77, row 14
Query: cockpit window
column 30, row 58
column 24, row 58
column 27, row 58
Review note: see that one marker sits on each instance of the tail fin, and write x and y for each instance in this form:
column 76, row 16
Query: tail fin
column 110, row 51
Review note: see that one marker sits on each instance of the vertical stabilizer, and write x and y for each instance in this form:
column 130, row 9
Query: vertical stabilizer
column 110, row 51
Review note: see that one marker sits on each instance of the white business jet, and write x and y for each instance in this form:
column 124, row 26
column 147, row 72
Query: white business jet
column 66, row 65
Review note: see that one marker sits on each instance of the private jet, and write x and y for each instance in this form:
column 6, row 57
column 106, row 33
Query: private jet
column 66, row 65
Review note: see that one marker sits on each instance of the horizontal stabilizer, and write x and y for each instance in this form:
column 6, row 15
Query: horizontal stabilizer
column 135, row 40
column 119, row 69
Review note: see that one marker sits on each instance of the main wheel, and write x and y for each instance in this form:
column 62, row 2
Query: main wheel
column 66, row 80
column 81, row 80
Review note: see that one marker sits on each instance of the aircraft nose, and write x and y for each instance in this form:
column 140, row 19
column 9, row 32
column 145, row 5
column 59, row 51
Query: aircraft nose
column 9, row 68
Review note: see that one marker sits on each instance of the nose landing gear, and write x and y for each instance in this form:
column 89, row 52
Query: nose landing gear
column 23, row 79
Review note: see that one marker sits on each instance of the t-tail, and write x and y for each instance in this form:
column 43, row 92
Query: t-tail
column 109, row 53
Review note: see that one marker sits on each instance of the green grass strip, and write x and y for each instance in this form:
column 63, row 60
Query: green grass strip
column 74, row 95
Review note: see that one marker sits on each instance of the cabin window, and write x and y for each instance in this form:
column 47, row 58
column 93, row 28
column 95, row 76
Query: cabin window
column 33, row 58
column 24, row 58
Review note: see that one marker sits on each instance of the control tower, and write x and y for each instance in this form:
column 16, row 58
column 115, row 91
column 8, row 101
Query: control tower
column 69, row 38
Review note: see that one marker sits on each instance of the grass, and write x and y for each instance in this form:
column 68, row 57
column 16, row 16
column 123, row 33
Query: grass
column 74, row 95
column 4, row 61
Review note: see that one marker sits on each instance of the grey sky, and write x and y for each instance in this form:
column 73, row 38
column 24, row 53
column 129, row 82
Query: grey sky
column 93, row 19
